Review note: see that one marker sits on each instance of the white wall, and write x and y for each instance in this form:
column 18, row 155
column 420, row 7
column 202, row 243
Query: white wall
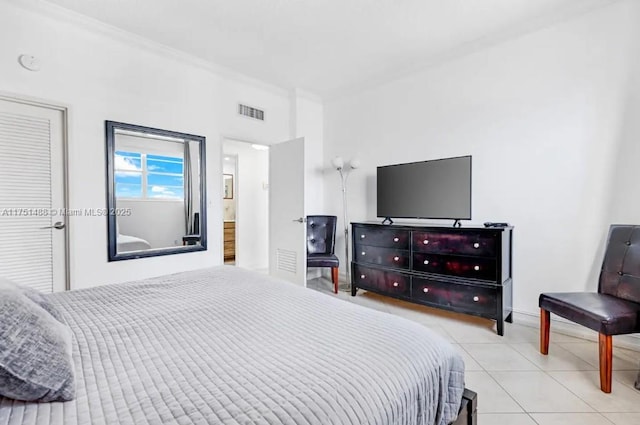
column 252, row 204
column 158, row 221
column 307, row 119
column 546, row 117
column 104, row 74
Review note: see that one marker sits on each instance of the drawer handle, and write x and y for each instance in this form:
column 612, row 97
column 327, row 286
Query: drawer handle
column 426, row 241
column 476, row 268
column 364, row 253
column 476, row 298
column 363, row 236
column 362, row 276
column 395, row 284
column 396, row 239
column 396, row 258
column 425, row 262
column 425, row 290
column 476, row 245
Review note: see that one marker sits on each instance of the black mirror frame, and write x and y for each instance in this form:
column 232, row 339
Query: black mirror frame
column 110, row 128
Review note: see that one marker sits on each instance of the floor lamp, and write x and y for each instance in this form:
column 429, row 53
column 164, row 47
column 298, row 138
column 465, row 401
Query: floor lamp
column 339, row 165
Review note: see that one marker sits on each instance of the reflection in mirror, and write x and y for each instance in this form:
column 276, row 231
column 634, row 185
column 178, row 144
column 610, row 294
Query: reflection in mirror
column 228, row 186
column 156, row 192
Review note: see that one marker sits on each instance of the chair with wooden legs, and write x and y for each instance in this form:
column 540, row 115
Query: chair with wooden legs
column 321, row 243
column 613, row 310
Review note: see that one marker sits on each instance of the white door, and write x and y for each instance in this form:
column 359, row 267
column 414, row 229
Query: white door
column 287, row 218
column 32, row 196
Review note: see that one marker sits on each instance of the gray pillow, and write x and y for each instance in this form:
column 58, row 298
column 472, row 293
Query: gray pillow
column 35, row 351
column 35, row 296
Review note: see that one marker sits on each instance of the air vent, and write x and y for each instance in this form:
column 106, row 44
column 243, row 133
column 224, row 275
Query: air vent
column 286, row 260
column 251, row 112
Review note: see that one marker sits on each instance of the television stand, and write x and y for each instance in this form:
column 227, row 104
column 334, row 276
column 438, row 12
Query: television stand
column 387, row 220
column 466, row 270
column 456, row 223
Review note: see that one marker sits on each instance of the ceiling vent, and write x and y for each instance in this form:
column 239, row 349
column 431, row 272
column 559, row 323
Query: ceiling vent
column 251, row 112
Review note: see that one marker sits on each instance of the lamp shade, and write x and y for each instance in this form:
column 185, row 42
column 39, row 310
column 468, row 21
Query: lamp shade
column 338, row 162
column 354, row 163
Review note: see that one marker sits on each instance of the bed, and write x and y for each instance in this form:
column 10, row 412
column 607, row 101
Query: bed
column 229, row 346
column 128, row 243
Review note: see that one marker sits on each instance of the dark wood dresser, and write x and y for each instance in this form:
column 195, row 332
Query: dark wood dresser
column 462, row 269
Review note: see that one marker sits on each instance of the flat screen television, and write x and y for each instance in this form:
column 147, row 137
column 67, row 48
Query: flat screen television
column 437, row 189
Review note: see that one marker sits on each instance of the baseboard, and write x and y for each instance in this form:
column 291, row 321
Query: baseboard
column 566, row 327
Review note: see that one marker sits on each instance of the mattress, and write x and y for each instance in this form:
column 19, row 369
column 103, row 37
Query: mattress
column 131, row 243
column 229, row 346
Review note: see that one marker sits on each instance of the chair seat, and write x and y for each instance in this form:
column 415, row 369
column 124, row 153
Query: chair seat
column 603, row 313
column 322, row 260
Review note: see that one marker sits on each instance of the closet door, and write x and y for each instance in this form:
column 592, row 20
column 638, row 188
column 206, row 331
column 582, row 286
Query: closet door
column 33, row 227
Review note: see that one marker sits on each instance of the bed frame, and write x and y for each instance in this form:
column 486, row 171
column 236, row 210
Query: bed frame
column 468, row 409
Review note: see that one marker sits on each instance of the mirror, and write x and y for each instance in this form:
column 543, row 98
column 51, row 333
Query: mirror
column 228, row 186
column 156, row 195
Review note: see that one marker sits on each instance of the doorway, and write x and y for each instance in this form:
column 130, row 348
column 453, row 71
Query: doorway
column 33, row 225
column 246, row 204
column 229, row 201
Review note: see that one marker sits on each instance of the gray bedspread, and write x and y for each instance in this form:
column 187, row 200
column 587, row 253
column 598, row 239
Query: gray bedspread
column 227, row 346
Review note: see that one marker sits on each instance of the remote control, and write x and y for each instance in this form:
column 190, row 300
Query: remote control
column 490, row 224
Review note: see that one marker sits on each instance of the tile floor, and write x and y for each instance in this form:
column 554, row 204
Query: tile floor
column 516, row 385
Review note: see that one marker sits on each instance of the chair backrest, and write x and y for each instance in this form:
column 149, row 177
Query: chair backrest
column 196, row 223
column 321, row 234
column 620, row 274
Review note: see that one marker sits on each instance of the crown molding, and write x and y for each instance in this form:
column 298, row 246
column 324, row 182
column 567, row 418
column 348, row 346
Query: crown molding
column 304, row 94
column 87, row 23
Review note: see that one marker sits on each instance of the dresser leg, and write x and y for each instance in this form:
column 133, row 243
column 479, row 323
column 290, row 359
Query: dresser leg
column 500, row 324
column 509, row 318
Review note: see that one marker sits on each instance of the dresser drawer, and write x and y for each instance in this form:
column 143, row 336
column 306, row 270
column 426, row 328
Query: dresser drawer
column 481, row 244
column 463, row 298
column 388, row 257
column 392, row 283
column 384, row 237
column 454, row 265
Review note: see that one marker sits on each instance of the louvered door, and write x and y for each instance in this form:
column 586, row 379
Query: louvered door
column 32, row 221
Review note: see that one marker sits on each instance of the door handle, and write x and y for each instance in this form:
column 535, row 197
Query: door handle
column 57, row 225
column 300, row 220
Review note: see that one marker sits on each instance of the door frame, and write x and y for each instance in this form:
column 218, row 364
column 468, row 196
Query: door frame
column 64, row 110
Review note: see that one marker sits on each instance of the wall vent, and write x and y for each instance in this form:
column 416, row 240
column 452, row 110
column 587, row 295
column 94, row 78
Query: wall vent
column 251, row 112
column 286, row 260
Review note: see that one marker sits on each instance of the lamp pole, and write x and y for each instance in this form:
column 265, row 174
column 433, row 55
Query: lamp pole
column 338, row 163
column 343, row 178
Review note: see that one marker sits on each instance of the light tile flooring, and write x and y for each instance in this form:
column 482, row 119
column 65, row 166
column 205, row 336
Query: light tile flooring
column 516, row 385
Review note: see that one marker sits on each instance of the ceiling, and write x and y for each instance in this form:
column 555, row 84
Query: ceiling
column 327, row 47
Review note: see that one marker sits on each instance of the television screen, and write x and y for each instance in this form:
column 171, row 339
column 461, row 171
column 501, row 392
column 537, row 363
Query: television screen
column 429, row 189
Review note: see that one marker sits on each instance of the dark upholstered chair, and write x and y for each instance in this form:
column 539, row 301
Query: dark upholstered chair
column 193, row 238
column 614, row 309
column 321, row 242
